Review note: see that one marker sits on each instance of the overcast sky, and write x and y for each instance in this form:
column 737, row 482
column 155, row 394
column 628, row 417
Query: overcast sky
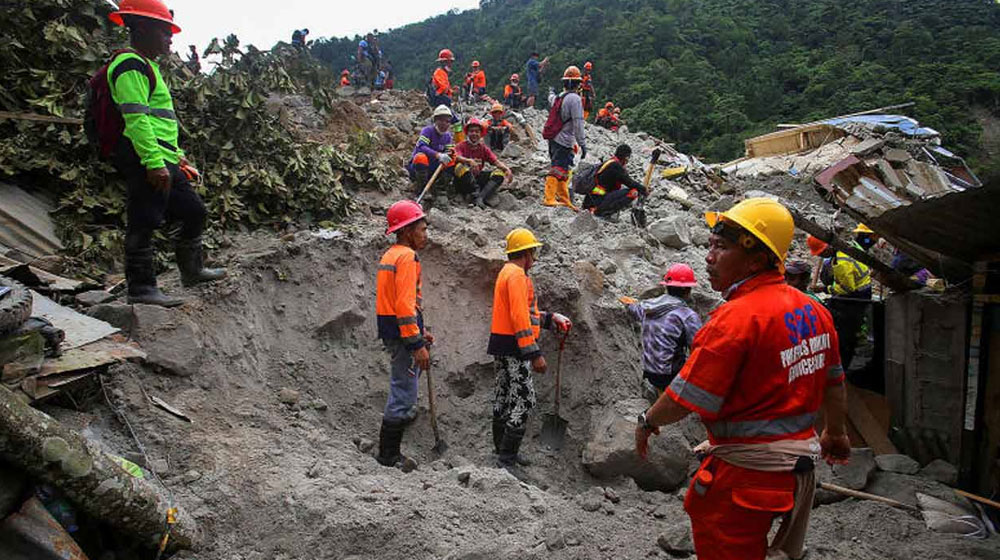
column 263, row 23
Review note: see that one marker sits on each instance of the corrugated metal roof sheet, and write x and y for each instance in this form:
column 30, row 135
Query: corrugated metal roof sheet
column 25, row 224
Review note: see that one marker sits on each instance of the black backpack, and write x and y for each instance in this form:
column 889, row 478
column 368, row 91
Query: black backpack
column 585, row 177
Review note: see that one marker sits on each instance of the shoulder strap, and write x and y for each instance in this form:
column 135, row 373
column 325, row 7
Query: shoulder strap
column 605, row 165
column 147, row 67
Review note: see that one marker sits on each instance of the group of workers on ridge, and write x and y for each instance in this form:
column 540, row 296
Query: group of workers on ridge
column 757, row 373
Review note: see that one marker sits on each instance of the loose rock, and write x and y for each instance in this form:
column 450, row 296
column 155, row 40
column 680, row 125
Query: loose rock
column 671, row 231
column 288, row 396
column 897, row 464
column 676, row 539
column 941, row 471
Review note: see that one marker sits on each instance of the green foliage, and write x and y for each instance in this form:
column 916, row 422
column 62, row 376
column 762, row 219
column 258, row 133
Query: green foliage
column 709, row 73
column 257, row 173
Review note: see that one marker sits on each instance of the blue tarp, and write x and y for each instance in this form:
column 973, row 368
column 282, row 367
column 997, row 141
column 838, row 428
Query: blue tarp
column 905, row 125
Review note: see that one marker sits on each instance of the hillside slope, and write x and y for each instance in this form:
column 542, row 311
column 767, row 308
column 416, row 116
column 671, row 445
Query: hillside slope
column 709, row 73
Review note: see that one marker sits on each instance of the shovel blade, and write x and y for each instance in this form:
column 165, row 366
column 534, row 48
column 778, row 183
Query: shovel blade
column 440, row 447
column 639, row 217
column 553, row 431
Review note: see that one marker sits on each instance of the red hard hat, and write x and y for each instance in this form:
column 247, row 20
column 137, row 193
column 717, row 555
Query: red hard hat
column 345, row 72
column 152, row 9
column 816, row 245
column 473, row 122
column 515, row 77
column 588, row 66
column 402, row 214
column 475, row 64
column 679, row 275
column 445, row 54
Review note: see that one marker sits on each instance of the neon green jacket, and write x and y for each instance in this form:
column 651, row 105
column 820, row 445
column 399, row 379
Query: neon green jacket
column 150, row 122
column 849, row 275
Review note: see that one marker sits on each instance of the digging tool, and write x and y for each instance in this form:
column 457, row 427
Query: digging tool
column 427, row 187
column 639, row 210
column 866, row 496
column 440, row 446
column 554, row 426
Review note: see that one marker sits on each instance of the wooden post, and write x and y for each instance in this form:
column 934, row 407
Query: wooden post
column 36, row 443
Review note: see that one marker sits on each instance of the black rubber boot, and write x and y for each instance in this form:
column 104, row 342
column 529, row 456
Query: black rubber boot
column 389, row 439
column 498, row 427
column 191, row 263
column 487, row 191
column 510, row 444
column 141, row 280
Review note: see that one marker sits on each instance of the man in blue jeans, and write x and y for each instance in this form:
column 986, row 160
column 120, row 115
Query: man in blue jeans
column 533, row 72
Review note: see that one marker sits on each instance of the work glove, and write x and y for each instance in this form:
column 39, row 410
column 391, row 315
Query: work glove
column 562, row 322
column 444, row 158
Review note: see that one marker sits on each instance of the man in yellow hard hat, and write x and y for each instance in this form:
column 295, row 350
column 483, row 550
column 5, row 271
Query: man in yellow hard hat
column 758, row 373
column 513, row 342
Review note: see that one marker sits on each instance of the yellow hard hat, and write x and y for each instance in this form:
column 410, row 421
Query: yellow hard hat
column 521, row 239
column 766, row 219
column 862, row 228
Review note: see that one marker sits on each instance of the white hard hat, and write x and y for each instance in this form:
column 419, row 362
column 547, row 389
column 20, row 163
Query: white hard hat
column 442, row 111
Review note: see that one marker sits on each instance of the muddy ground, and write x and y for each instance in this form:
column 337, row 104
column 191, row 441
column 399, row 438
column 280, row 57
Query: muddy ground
column 285, row 383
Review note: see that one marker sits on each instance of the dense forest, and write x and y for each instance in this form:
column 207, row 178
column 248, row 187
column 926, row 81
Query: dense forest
column 709, row 73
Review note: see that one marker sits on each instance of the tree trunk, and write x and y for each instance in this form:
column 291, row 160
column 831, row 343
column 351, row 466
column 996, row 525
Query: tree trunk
column 35, row 442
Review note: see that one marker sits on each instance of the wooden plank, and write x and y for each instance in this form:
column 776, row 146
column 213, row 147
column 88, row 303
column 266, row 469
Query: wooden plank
column 867, row 425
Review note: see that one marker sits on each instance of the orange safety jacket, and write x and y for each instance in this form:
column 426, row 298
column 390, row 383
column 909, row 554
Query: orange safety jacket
column 479, row 80
column 345, row 81
column 516, row 319
column 511, row 90
column 759, row 368
column 442, row 85
column 398, row 297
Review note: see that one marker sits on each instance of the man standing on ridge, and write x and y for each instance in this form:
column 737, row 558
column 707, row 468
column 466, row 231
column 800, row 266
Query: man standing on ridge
column 476, row 81
column 564, row 131
column 147, row 155
column 434, row 147
column 533, row 70
column 758, row 373
column 514, row 332
column 587, row 90
column 439, row 90
column 400, row 318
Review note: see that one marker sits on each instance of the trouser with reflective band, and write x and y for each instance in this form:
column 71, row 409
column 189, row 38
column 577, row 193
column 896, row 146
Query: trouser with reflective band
column 468, row 183
column 731, row 516
column 404, row 379
column 610, row 203
column 514, row 393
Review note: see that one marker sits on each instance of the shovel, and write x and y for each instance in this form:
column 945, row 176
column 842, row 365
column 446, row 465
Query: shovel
column 440, row 446
column 554, row 426
column 639, row 210
column 427, row 187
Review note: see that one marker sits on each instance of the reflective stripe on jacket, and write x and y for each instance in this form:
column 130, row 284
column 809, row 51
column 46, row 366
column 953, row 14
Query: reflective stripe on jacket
column 398, row 297
column 849, row 275
column 516, row 319
column 150, row 122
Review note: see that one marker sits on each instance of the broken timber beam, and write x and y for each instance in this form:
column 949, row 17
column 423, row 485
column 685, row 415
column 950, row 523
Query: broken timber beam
column 36, row 443
column 886, row 274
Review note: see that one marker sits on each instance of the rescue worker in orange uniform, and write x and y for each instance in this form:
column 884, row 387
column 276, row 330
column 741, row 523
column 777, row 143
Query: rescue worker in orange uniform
column 514, row 333
column 587, row 90
column 604, row 115
column 513, row 96
column 399, row 315
column 345, row 78
column 476, row 79
column 440, row 91
column 758, row 373
column 497, row 129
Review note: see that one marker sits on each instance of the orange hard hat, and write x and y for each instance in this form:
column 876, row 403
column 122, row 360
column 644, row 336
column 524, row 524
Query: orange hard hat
column 446, row 55
column 572, row 73
column 402, row 214
column 816, row 245
column 514, row 77
column 588, row 66
column 679, row 275
column 152, row 9
column 496, row 108
column 475, row 64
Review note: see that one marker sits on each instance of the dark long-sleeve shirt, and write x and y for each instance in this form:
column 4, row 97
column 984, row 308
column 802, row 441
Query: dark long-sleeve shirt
column 612, row 177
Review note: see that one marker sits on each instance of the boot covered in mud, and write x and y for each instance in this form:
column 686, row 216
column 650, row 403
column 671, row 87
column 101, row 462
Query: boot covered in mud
column 390, row 438
column 191, row 263
column 510, row 446
column 141, row 279
column 488, row 190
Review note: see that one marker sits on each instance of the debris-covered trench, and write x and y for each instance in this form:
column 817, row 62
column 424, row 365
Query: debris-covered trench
column 280, row 372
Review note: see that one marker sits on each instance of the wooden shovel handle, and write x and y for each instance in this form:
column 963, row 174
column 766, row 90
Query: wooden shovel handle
column 430, row 182
column 866, row 496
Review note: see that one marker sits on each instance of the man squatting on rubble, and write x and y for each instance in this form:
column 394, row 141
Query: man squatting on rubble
column 148, row 156
column 399, row 314
column 471, row 155
column 668, row 327
column 514, row 333
column 434, row 147
column 570, row 135
column 609, row 195
column 758, row 373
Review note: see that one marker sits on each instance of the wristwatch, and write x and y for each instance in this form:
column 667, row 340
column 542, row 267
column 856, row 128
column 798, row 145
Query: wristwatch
column 644, row 423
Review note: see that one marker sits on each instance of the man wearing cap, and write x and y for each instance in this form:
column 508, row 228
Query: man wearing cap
column 514, row 333
column 668, row 327
column 759, row 372
column 471, row 156
column 399, row 314
column 798, row 275
column 149, row 157
column 434, row 147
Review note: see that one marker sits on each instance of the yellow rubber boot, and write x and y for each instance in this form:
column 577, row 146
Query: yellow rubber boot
column 562, row 196
column 551, row 186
